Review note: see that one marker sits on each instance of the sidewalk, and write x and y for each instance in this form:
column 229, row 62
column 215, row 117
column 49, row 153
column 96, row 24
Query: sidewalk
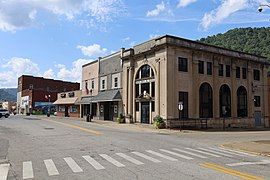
column 256, row 147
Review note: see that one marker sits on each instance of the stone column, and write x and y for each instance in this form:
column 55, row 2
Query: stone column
column 130, row 92
column 157, row 84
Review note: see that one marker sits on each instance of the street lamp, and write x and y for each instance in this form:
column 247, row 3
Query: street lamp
column 260, row 9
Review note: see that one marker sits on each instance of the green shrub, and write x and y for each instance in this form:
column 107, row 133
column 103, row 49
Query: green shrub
column 121, row 119
column 159, row 122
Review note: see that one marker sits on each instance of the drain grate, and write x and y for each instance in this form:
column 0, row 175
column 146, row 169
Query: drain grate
column 48, row 128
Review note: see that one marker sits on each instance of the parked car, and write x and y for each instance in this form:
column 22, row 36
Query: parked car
column 4, row 113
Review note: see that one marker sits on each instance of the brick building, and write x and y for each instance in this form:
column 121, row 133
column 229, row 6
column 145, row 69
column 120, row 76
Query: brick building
column 37, row 93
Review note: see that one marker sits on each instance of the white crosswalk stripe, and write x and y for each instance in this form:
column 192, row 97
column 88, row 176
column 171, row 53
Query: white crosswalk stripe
column 176, row 154
column 73, row 165
column 112, row 161
column 203, row 152
column 93, row 162
column 146, row 157
column 232, row 153
column 190, row 153
column 240, row 152
column 28, row 170
column 51, row 168
column 4, row 168
column 131, row 159
column 215, row 152
column 161, row 155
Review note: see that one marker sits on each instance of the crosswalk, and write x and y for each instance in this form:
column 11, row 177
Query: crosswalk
column 120, row 160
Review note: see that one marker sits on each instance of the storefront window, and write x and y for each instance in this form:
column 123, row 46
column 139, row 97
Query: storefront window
column 73, row 109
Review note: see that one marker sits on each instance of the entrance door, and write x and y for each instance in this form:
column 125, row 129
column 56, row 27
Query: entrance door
column 258, row 118
column 107, row 111
column 66, row 111
column 145, row 112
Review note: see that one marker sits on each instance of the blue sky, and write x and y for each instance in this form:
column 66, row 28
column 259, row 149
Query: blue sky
column 53, row 38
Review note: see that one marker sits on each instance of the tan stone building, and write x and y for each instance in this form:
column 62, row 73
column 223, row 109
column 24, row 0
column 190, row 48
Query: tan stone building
column 212, row 83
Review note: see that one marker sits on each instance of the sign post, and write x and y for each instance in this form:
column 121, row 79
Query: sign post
column 180, row 108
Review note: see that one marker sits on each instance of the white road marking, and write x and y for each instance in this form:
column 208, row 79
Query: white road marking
column 4, row 168
column 51, row 168
column 203, row 152
column 111, row 160
column 232, row 153
column 131, row 159
column 176, row 154
column 73, row 165
column 93, row 162
column 249, row 163
column 240, row 152
column 215, row 152
column 146, row 157
column 190, row 153
column 28, row 170
column 161, row 155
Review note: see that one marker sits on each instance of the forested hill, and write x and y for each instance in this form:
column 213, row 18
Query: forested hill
column 8, row 94
column 249, row 40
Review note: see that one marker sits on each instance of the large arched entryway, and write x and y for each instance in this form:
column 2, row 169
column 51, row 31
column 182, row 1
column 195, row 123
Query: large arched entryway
column 206, row 101
column 145, row 93
column 225, row 101
column 241, row 102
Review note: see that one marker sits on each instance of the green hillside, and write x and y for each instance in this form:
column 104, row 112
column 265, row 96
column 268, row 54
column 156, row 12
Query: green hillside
column 8, row 94
column 250, row 40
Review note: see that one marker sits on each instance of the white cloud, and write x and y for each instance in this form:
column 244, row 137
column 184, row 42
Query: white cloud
column 184, row 3
column 126, row 39
column 18, row 14
column 226, row 9
column 48, row 74
column 74, row 73
column 92, row 50
column 14, row 68
column 161, row 8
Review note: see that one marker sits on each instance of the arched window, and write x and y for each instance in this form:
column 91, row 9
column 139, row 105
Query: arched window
column 241, row 102
column 225, row 101
column 206, row 101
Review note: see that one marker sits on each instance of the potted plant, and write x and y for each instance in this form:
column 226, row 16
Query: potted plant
column 121, row 119
column 159, row 122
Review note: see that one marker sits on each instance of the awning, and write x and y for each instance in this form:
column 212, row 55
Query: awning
column 65, row 101
column 103, row 96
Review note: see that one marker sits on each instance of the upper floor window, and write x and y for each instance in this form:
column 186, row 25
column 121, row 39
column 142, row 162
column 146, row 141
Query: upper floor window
column 220, row 69
column 31, row 86
column 257, row 101
column 228, row 71
column 182, row 64
column 103, row 84
column 209, row 68
column 201, row 67
column 256, row 74
column 116, row 82
column 244, row 73
column 237, row 72
column 93, row 84
column 145, row 72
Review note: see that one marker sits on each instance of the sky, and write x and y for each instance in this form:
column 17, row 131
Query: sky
column 54, row 38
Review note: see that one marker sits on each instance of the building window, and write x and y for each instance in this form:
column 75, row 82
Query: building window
column 73, row 109
column 256, row 74
column 145, row 87
column 116, row 82
column 183, row 97
column 103, row 84
column 225, row 101
column 242, row 102
column 93, row 84
column 201, row 67
column 257, row 101
column 206, row 101
column 153, row 89
column 61, row 108
column 228, row 71
column 31, row 86
column 86, row 85
column 137, row 106
column 182, row 64
column 209, row 68
column 153, row 106
column 220, row 69
column 137, row 90
column 145, row 71
column 238, row 72
column 244, row 73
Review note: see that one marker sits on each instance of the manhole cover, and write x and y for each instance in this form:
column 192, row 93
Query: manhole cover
column 49, row 128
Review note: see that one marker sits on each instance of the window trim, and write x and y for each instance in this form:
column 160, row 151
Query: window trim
column 180, row 67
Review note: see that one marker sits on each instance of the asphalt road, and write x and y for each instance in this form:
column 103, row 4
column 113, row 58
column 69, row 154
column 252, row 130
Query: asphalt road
column 50, row 148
